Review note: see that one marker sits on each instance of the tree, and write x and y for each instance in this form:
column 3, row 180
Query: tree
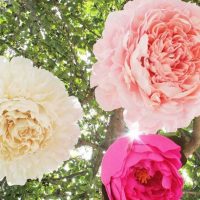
column 59, row 36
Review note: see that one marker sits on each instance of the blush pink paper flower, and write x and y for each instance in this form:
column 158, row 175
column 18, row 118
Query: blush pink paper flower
column 148, row 62
column 142, row 169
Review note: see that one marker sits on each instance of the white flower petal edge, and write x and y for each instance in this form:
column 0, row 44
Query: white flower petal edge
column 38, row 121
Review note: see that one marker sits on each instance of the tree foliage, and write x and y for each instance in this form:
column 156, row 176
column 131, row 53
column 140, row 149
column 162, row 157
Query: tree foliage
column 59, row 35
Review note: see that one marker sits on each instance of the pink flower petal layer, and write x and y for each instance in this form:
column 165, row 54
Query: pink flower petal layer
column 154, row 157
column 148, row 62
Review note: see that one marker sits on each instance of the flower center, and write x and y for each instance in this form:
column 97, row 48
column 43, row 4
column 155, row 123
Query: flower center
column 142, row 176
column 22, row 130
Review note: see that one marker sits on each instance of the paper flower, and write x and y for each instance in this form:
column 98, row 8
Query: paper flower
column 38, row 121
column 148, row 62
column 142, row 169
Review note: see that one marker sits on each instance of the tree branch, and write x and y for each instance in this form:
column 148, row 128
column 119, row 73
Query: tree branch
column 115, row 129
column 194, row 143
column 82, row 142
column 89, row 96
column 193, row 193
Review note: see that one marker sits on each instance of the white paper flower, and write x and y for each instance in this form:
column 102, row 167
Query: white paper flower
column 38, row 121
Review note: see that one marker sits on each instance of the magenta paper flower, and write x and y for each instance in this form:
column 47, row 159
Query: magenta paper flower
column 148, row 62
column 143, row 169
